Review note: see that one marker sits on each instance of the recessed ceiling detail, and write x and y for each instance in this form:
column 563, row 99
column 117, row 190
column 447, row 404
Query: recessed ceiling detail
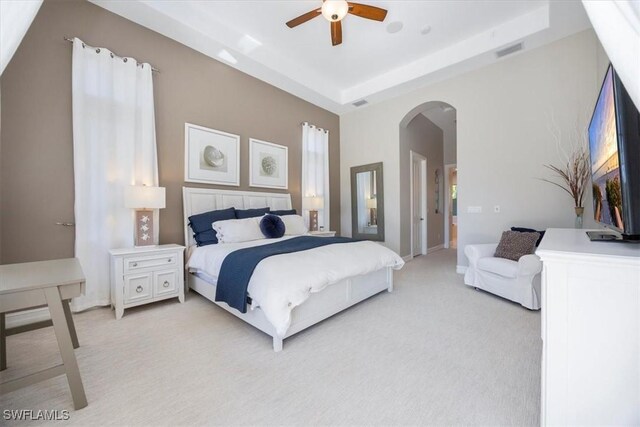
column 250, row 36
column 394, row 27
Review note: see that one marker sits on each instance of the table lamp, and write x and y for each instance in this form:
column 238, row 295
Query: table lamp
column 313, row 204
column 144, row 199
column 372, row 205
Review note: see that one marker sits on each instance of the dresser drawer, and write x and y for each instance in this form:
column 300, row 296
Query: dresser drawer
column 138, row 287
column 165, row 283
column 134, row 264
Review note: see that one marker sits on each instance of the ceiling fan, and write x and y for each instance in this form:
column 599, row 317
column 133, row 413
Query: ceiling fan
column 335, row 10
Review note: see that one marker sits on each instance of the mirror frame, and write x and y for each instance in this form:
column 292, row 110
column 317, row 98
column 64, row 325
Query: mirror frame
column 355, row 170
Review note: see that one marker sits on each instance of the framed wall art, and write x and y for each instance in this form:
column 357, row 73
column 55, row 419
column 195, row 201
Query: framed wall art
column 211, row 156
column 268, row 165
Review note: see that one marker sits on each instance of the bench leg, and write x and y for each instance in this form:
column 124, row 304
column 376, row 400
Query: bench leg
column 3, row 343
column 72, row 326
column 65, row 344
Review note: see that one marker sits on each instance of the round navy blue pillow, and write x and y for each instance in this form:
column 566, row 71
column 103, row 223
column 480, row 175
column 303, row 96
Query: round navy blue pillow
column 272, row 226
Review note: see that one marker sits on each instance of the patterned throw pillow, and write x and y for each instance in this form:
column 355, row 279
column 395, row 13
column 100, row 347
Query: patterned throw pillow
column 513, row 245
column 530, row 230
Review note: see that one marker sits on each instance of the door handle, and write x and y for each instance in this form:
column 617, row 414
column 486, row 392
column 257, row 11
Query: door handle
column 421, row 219
column 66, row 224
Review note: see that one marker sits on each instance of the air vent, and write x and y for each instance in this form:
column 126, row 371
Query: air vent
column 509, row 50
column 360, row 103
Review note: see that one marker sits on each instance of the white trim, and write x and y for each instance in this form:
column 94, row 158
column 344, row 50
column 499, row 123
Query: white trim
column 435, row 248
column 199, row 200
column 423, row 177
column 188, row 126
column 253, row 141
column 447, row 205
column 407, row 258
column 461, row 269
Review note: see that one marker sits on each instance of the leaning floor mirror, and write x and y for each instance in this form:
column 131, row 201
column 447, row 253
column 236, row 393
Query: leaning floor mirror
column 367, row 202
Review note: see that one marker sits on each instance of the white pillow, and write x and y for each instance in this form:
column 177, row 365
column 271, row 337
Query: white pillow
column 238, row 230
column 294, row 225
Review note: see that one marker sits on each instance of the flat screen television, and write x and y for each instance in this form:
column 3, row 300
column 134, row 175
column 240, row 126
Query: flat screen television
column 614, row 148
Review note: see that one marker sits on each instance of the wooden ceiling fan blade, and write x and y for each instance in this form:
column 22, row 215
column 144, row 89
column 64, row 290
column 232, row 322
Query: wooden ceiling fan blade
column 304, row 18
column 368, row 12
column 336, row 33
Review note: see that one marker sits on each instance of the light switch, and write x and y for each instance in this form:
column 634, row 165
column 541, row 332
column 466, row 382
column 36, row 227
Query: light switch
column 474, row 209
column 496, row 209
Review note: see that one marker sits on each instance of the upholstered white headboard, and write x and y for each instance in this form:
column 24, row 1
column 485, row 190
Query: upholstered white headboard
column 199, row 200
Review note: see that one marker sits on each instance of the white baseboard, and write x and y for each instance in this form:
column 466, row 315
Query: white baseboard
column 407, row 258
column 461, row 269
column 27, row 317
column 435, row 248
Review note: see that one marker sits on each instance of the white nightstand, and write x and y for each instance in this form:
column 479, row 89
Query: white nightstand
column 323, row 233
column 146, row 274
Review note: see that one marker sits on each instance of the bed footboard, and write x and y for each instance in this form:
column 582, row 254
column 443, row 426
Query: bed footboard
column 320, row 306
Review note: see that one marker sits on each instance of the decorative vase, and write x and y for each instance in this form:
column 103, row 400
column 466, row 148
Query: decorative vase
column 579, row 213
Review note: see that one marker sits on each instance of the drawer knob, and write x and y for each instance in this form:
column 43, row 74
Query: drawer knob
column 139, row 289
column 135, row 264
column 165, row 284
column 169, row 260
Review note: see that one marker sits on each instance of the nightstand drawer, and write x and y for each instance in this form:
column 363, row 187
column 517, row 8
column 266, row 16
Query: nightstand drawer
column 165, row 283
column 133, row 264
column 137, row 287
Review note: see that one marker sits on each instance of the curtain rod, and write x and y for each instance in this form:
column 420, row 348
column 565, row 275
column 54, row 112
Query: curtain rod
column 113, row 55
column 314, row 126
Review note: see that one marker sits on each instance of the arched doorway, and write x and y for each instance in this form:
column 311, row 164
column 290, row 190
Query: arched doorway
column 428, row 179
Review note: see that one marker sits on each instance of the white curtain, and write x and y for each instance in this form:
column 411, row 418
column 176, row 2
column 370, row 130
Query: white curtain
column 16, row 17
column 315, row 169
column 617, row 24
column 114, row 145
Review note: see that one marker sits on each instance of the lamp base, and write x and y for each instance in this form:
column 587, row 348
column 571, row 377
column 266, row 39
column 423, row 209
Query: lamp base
column 144, row 228
column 313, row 220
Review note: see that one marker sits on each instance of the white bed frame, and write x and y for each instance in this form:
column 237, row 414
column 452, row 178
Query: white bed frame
column 319, row 306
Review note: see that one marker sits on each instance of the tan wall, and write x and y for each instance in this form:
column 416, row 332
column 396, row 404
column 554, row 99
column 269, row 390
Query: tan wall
column 36, row 173
column 424, row 137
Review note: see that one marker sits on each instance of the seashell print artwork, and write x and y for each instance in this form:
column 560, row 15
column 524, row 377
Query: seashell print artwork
column 269, row 166
column 213, row 157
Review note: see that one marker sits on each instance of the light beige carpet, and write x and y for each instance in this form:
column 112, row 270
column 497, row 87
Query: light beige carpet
column 432, row 352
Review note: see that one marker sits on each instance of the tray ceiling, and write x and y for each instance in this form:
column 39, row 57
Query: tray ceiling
column 371, row 63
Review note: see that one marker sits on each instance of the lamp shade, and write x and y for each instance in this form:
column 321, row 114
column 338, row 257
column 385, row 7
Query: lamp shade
column 372, row 203
column 335, row 10
column 141, row 197
column 313, row 203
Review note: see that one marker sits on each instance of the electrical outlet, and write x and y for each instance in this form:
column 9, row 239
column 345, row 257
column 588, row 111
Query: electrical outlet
column 496, row 209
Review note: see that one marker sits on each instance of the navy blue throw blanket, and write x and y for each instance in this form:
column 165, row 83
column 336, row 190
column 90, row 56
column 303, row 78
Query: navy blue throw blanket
column 237, row 268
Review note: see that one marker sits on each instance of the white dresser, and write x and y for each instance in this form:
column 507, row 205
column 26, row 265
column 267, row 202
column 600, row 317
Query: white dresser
column 146, row 274
column 590, row 330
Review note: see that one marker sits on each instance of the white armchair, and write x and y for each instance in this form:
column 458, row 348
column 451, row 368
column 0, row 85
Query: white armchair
column 518, row 281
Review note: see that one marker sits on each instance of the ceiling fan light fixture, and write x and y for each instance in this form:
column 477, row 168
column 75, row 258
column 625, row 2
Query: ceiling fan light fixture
column 335, row 10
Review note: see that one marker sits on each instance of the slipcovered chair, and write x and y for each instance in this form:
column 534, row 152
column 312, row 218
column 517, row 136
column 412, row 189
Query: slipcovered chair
column 518, row 281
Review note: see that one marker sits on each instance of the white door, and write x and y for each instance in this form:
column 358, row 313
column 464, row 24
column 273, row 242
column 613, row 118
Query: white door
column 418, row 204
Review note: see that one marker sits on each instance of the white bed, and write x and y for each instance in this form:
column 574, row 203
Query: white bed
column 326, row 299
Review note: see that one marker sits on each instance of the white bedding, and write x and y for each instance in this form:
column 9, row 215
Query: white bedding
column 282, row 282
